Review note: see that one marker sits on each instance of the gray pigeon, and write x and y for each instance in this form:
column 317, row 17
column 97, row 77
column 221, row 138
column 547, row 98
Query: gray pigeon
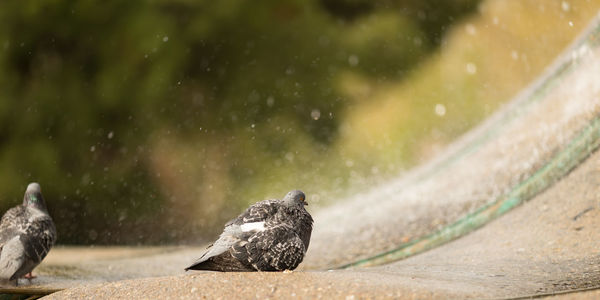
column 26, row 235
column 271, row 235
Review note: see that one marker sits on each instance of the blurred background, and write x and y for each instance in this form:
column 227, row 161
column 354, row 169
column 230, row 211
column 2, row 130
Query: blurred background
column 154, row 122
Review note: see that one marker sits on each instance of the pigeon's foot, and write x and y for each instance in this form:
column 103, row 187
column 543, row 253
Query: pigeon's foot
column 29, row 276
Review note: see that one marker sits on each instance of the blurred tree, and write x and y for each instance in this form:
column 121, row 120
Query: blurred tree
column 433, row 17
column 143, row 120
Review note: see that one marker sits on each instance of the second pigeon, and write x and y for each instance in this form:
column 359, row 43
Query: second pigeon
column 271, row 235
column 26, row 235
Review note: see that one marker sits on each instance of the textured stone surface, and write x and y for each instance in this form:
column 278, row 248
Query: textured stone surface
column 548, row 245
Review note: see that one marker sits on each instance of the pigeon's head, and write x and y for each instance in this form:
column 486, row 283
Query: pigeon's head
column 295, row 197
column 33, row 196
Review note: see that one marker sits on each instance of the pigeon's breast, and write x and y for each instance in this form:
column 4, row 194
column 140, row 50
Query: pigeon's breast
column 34, row 215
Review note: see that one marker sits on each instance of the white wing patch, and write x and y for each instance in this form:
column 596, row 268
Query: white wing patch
column 254, row 226
column 11, row 258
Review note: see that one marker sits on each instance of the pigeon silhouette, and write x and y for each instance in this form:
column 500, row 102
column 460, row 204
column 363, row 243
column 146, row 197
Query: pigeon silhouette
column 271, row 235
column 27, row 233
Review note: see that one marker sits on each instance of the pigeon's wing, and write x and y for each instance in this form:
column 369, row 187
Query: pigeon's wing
column 276, row 248
column 231, row 235
column 11, row 247
column 257, row 212
column 38, row 239
column 223, row 262
column 12, row 258
column 10, row 224
column 305, row 222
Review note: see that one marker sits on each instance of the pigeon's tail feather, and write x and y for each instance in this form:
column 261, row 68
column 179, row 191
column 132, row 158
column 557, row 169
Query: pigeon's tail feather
column 11, row 259
column 222, row 263
column 8, row 283
column 219, row 248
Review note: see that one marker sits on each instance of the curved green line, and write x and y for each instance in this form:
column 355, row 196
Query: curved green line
column 559, row 166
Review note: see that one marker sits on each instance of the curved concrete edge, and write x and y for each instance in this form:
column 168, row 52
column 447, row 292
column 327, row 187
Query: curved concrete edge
column 547, row 246
column 560, row 165
column 482, row 168
column 550, row 244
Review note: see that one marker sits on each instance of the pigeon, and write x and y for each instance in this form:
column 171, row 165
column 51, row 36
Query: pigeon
column 27, row 233
column 271, row 235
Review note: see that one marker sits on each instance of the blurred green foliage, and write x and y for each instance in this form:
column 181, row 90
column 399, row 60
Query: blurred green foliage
column 145, row 121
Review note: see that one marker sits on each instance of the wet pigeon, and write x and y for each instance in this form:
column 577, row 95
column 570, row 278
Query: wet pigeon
column 271, row 235
column 26, row 235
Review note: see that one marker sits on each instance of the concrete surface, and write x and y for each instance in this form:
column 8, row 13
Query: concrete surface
column 548, row 245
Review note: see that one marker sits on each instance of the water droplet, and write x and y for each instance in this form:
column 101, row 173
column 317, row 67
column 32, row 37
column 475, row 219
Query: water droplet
column 315, row 198
column 440, row 109
column 93, row 148
column 417, row 41
column 165, row 39
column 93, row 235
column 111, row 135
column 270, row 101
column 471, row 30
column 353, row 60
column 315, row 114
column 324, row 40
column 471, row 68
column 289, row 156
column 565, row 6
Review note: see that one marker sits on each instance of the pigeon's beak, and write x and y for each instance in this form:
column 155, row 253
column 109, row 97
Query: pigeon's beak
column 304, row 202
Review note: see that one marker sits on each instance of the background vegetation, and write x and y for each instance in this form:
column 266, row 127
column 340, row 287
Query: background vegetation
column 156, row 121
